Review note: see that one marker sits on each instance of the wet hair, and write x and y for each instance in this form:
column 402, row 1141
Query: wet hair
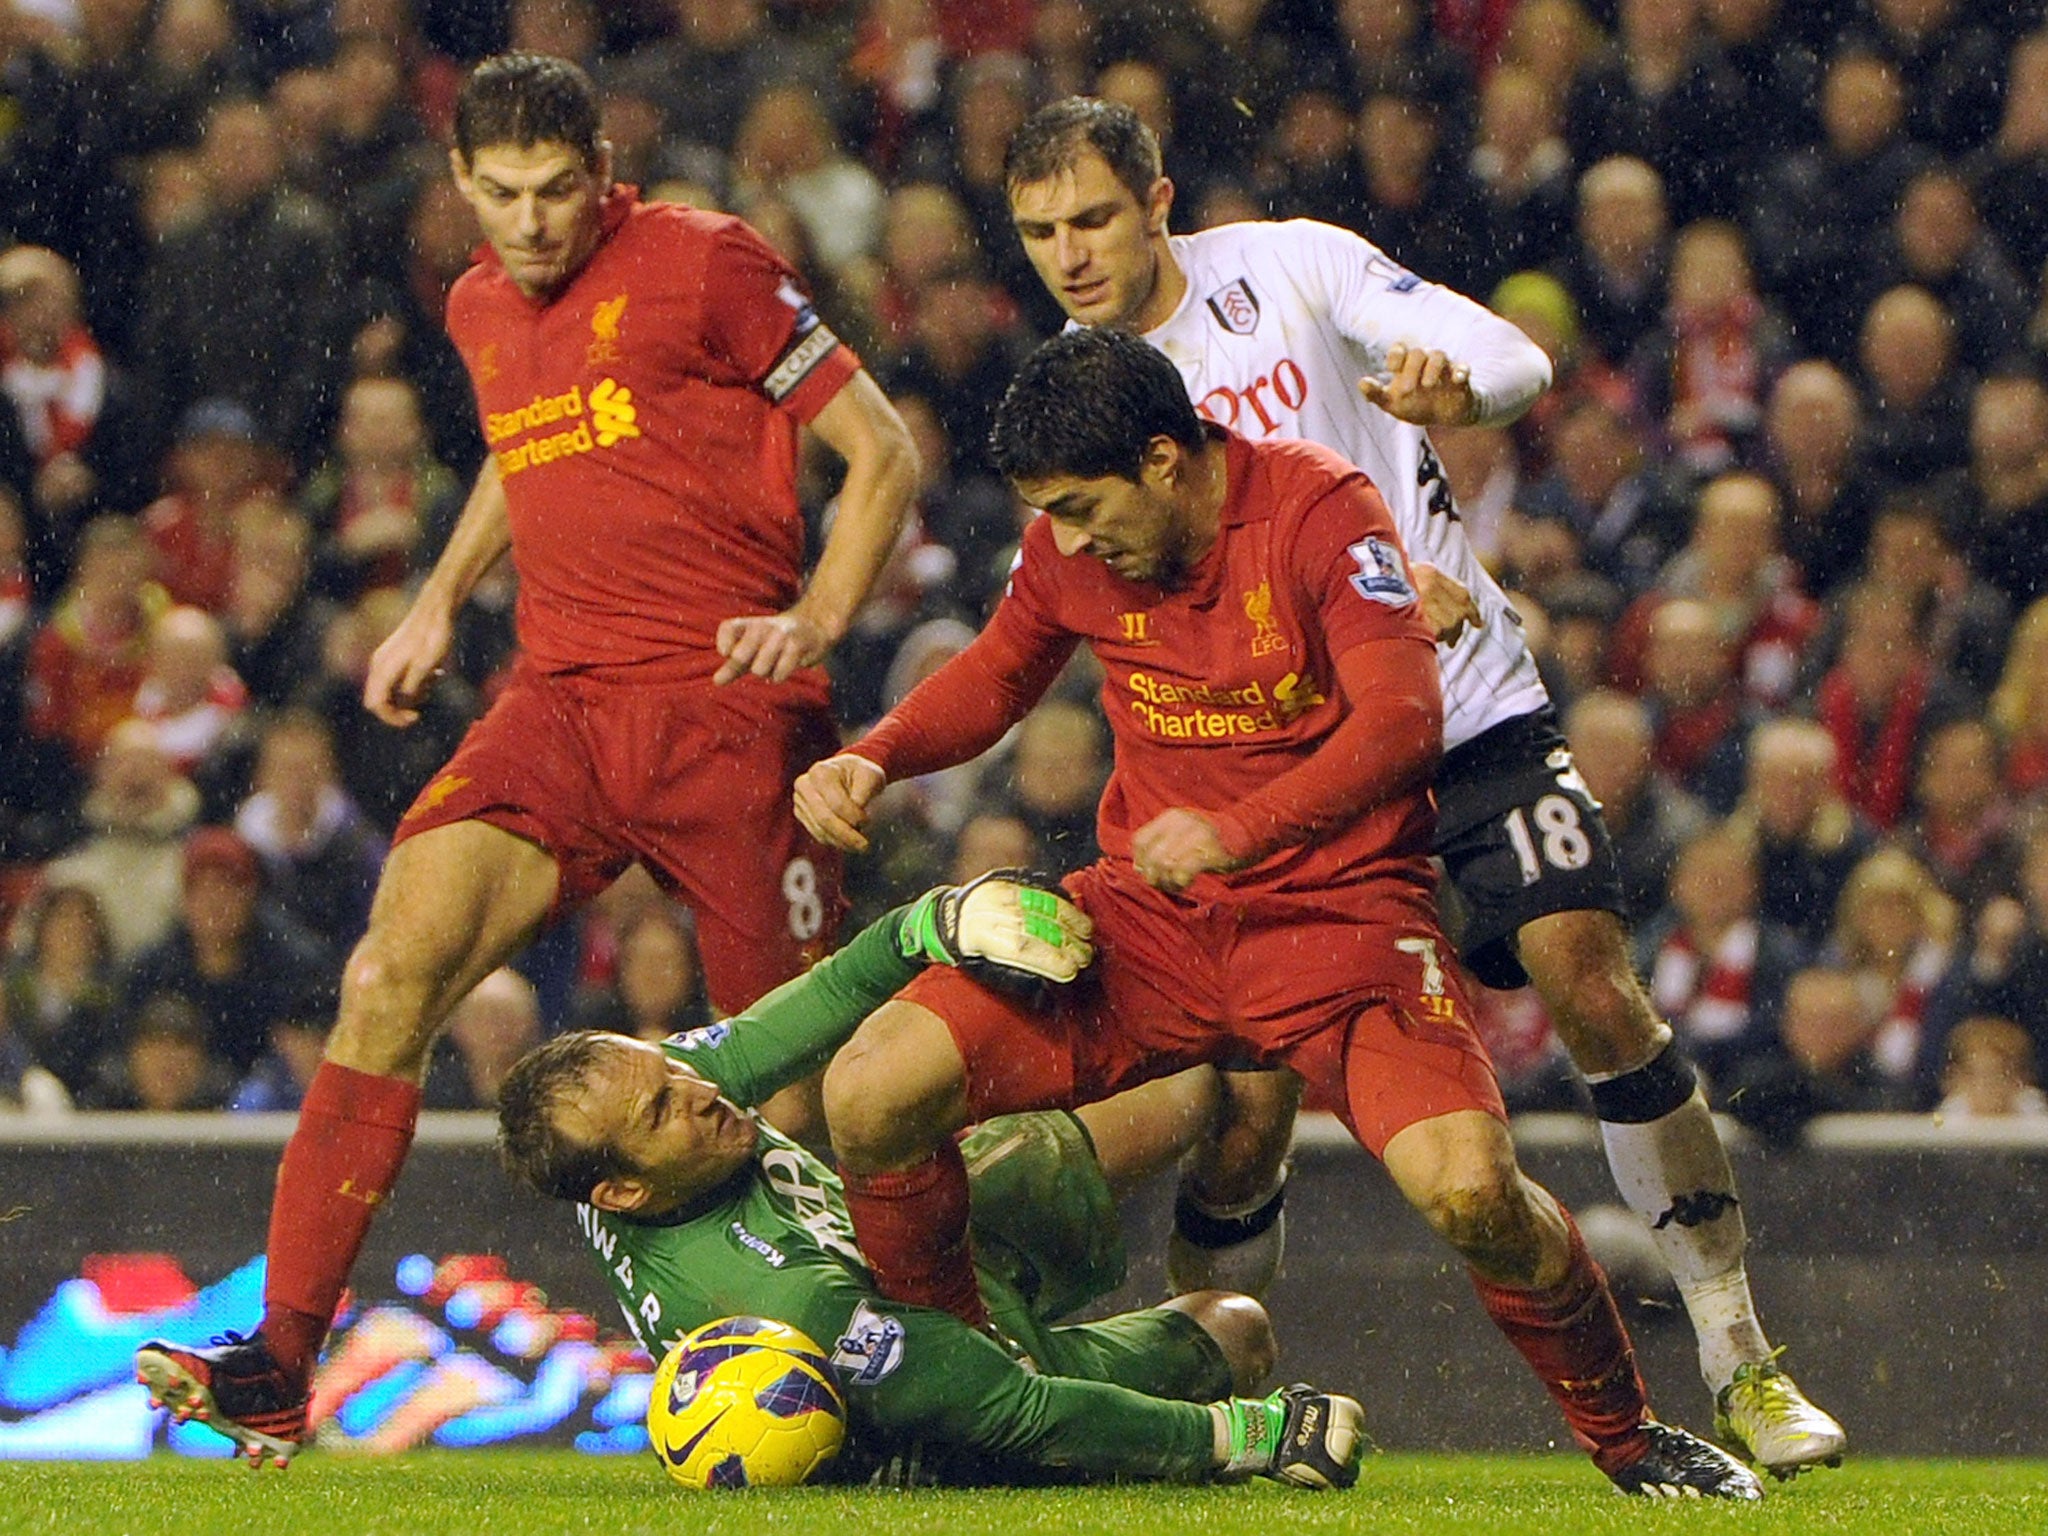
column 1054, row 137
column 531, row 1144
column 1088, row 403
column 525, row 99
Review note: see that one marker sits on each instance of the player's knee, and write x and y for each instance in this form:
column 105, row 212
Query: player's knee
column 1581, row 966
column 1242, row 1329
column 1478, row 1212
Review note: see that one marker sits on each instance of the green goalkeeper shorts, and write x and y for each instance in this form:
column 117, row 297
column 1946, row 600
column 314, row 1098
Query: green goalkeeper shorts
column 1048, row 1240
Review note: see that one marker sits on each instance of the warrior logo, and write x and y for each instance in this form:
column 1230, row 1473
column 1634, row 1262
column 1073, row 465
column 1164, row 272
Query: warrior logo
column 1235, row 307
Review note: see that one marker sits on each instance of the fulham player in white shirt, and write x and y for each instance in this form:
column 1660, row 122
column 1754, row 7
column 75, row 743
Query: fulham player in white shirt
column 1302, row 329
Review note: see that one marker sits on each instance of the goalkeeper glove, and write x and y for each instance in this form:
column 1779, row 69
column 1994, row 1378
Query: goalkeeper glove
column 1000, row 925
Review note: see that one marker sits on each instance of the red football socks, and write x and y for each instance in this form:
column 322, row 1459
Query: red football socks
column 1573, row 1338
column 912, row 1226
column 353, row 1133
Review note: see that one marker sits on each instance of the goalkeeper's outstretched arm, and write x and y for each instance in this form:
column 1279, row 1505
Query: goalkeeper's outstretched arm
column 1001, row 924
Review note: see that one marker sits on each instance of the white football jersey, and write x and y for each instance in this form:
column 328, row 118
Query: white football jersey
column 1279, row 323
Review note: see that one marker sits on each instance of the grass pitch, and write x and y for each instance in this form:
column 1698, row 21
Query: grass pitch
column 536, row 1493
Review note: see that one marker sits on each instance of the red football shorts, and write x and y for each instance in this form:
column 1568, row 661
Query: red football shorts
column 690, row 779
column 1371, row 1014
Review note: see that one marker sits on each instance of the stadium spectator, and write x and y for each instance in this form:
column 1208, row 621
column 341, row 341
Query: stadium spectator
column 1386, row 47
column 721, row 56
column 25, row 1088
column 786, row 147
column 1881, row 700
column 138, row 810
column 1895, row 932
column 1605, row 487
column 89, row 656
column 989, row 841
column 397, row 313
column 1774, row 76
column 218, row 464
column 2013, row 168
column 1820, row 1062
column 657, row 988
column 279, row 1078
column 1939, row 243
column 1705, row 371
column 491, row 1028
column 1052, row 780
column 164, row 1065
column 1911, row 551
column 1698, row 709
column 2019, row 704
column 61, row 1006
column 69, row 446
column 1915, row 386
column 319, row 852
column 1520, row 172
column 1825, row 207
column 2004, row 501
column 1417, row 199
column 194, row 59
column 1813, row 431
column 247, row 305
column 1664, row 95
column 1649, row 817
column 1962, row 826
column 190, row 697
column 381, row 498
column 1617, row 266
column 274, row 626
column 236, row 958
column 1716, row 969
column 1989, row 1074
column 382, row 766
column 1951, row 68
column 2004, row 969
column 1733, row 563
column 1808, row 836
column 1543, row 310
column 965, row 347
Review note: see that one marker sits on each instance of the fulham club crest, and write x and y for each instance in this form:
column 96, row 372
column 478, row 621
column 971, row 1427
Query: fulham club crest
column 1235, row 307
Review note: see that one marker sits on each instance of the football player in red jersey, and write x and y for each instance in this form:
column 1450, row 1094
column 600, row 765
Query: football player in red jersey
column 1265, row 895
column 641, row 372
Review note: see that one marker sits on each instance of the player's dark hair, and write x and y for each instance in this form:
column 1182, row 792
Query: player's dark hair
column 1054, row 137
column 525, row 99
column 530, row 1142
column 1088, row 403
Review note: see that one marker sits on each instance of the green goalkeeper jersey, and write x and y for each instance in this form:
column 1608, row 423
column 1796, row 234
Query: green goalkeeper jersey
column 775, row 1241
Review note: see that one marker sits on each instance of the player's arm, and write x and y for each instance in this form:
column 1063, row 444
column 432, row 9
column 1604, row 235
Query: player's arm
column 405, row 665
column 1439, row 358
column 953, row 716
column 863, row 428
column 994, row 924
column 1388, row 745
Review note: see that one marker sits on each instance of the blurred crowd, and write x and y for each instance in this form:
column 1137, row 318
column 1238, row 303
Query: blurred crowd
column 1776, row 532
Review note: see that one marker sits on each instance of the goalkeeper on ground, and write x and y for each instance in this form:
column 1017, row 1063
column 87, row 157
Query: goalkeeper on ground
column 696, row 1211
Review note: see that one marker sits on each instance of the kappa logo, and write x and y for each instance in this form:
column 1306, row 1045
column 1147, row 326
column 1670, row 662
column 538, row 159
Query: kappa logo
column 1235, row 307
column 1695, row 1209
column 604, row 330
column 871, row 1348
